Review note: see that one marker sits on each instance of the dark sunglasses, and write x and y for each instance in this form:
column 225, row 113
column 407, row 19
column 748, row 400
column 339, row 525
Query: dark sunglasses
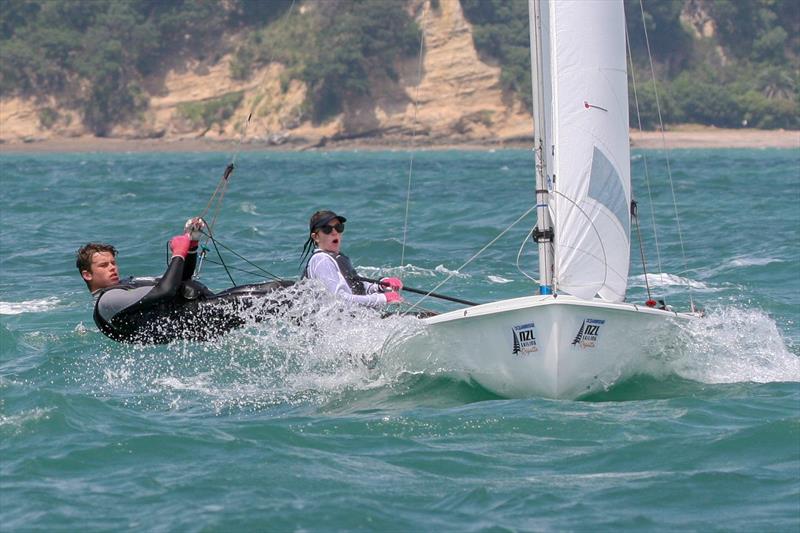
column 328, row 229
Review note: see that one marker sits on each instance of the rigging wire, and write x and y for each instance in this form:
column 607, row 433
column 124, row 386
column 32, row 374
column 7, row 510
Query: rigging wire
column 227, row 271
column 635, row 217
column 475, row 256
column 222, row 186
column 257, row 274
column 216, row 201
column 265, row 273
column 647, row 183
column 666, row 153
column 413, row 136
column 519, row 255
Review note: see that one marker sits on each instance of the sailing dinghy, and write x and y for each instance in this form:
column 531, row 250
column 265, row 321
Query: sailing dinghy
column 578, row 335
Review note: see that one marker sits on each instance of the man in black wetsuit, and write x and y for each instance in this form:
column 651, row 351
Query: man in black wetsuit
column 160, row 310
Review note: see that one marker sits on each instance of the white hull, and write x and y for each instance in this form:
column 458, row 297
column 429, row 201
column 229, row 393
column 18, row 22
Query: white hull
column 543, row 346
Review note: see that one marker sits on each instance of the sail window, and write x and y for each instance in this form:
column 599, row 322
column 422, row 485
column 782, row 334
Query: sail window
column 605, row 187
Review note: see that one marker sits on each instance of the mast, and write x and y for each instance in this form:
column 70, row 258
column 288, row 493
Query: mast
column 543, row 232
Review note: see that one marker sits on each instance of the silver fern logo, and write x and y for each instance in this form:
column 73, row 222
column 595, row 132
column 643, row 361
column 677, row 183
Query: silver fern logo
column 524, row 339
column 588, row 333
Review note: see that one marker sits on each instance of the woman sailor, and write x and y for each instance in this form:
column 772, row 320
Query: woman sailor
column 329, row 265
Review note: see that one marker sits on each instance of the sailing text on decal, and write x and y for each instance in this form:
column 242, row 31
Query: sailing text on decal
column 524, row 339
column 588, row 333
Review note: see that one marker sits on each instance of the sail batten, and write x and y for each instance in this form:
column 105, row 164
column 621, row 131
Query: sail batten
column 585, row 95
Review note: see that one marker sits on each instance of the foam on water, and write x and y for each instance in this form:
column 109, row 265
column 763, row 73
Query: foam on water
column 731, row 345
column 29, row 306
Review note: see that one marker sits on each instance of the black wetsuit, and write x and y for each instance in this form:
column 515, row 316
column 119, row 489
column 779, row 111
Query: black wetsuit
column 172, row 307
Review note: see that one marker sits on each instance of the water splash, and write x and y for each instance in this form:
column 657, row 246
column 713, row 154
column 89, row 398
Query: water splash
column 732, row 345
column 318, row 350
column 309, row 352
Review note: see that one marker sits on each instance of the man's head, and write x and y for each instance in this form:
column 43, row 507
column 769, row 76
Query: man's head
column 97, row 263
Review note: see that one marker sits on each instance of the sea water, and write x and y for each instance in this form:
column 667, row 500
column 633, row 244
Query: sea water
column 290, row 425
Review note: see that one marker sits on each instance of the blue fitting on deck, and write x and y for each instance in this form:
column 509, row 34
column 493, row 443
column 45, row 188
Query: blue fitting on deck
column 545, row 289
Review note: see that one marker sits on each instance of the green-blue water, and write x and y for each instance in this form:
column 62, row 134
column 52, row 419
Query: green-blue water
column 281, row 428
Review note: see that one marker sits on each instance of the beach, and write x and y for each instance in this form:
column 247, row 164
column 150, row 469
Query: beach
column 679, row 137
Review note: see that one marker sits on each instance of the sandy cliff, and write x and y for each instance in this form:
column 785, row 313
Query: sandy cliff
column 452, row 96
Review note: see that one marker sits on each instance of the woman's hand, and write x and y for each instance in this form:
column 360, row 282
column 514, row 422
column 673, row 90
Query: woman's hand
column 393, row 283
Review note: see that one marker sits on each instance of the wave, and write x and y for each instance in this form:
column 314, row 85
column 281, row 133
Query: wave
column 740, row 262
column 665, row 280
column 752, row 261
column 15, row 423
column 29, row 306
column 249, row 208
column 410, row 271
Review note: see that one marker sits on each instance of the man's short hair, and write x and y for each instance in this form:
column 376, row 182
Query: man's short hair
column 84, row 256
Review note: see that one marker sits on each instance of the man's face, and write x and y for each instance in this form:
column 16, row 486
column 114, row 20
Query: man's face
column 103, row 272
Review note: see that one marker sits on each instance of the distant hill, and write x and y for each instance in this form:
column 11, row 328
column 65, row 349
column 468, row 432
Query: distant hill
column 312, row 70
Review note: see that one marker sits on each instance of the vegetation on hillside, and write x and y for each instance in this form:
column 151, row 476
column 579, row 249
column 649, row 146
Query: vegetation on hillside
column 745, row 74
column 500, row 30
column 336, row 47
column 94, row 56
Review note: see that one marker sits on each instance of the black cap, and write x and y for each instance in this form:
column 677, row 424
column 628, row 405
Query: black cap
column 321, row 218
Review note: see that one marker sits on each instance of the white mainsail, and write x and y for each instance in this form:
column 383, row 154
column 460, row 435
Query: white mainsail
column 585, row 79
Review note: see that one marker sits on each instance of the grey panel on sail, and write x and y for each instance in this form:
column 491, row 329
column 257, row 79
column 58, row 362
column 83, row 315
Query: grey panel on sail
column 605, row 186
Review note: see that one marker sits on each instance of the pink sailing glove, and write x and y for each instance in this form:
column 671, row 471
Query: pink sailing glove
column 179, row 245
column 393, row 283
column 393, row 297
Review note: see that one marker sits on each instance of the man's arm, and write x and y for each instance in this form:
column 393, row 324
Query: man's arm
column 110, row 303
column 190, row 263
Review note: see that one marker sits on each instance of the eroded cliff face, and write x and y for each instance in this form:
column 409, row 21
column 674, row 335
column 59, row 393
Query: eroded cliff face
column 451, row 96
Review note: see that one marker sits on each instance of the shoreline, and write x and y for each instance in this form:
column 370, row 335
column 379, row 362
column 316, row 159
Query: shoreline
column 679, row 138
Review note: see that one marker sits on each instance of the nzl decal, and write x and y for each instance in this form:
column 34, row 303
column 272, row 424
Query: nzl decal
column 588, row 333
column 524, row 339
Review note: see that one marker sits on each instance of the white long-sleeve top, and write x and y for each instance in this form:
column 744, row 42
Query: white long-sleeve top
column 323, row 267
